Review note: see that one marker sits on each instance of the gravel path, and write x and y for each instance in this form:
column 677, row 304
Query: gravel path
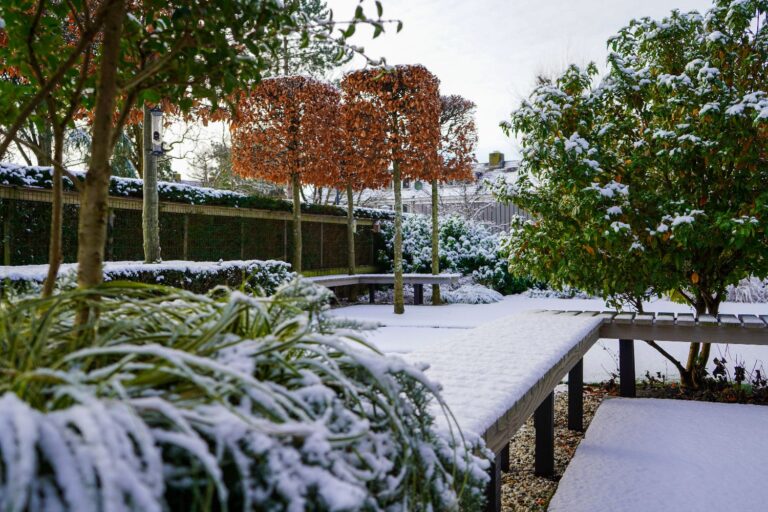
column 521, row 490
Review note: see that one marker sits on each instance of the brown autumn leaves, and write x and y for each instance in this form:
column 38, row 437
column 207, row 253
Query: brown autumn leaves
column 297, row 126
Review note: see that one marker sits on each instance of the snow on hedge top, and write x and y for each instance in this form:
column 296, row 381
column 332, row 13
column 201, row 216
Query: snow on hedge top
column 485, row 371
column 121, row 269
column 41, row 177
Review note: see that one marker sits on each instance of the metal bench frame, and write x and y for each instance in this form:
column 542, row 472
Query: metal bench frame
column 372, row 280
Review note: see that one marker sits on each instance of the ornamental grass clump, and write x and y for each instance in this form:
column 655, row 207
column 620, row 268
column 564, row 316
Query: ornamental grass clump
column 174, row 400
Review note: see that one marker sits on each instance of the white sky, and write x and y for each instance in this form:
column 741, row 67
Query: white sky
column 491, row 51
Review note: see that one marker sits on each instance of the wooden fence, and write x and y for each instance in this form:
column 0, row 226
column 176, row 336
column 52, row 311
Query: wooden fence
column 187, row 232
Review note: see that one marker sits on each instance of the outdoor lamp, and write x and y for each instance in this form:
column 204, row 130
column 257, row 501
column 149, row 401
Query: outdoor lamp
column 157, row 131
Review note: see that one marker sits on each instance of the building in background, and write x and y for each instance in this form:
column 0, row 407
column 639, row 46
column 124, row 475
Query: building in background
column 472, row 200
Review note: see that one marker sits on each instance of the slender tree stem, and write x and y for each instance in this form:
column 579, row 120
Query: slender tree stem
column 296, row 191
column 398, row 249
column 54, row 249
column 350, row 230
column 92, row 229
column 436, row 299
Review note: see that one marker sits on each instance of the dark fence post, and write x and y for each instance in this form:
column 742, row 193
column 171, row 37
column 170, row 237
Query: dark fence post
column 576, row 397
column 544, row 423
column 493, row 491
column 10, row 207
column 418, row 294
column 185, row 239
column 627, row 368
column 371, row 293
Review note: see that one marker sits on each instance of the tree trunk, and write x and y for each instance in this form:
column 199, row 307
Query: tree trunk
column 399, row 301
column 150, row 214
column 47, row 145
column 350, row 230
column 436, row 299
column 92, row 228
column 57, row 206
column 296, row 191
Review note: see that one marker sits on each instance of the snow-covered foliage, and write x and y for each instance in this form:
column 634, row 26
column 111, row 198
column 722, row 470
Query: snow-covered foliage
column 196, row 276
column 650, row 179
column 174, row 400
column 466, row 247
column 565, row 292
column 749, row 290
column 471, row 294
column 41, row 177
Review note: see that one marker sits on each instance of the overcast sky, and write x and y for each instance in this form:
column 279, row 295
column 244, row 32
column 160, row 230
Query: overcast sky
column 490, row 51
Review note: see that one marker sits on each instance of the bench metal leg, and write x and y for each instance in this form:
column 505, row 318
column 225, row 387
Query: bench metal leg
column 576, row 397
column 371, row 293
column 627, row 368
column 504, row 459
column 544, row 423
column 418, row 294
column 493, row 491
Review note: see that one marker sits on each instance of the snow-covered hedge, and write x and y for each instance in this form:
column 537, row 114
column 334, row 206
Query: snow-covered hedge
column 466, row 247
column 471, row 294
column 189, row 275
column 748, row 290
column 41, row 177
column 178, row 401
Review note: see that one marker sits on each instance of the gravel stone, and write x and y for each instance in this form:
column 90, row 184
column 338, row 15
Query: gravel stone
column 523, row 491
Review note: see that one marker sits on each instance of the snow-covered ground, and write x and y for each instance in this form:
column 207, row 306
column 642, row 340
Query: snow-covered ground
column 424, row 326
column 642, row 455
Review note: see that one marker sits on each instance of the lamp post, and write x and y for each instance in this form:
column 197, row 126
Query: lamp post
column 153, row 147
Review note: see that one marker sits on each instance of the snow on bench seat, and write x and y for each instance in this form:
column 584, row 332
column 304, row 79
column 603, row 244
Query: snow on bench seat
column 494, row 376
column 650, row 454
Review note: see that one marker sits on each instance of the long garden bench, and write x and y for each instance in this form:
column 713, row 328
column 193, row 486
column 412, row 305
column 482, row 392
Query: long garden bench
column 494, row 377
column 372, row 280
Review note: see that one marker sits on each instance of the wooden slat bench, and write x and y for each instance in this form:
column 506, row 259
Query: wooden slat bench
column 494, row 377
column 372, row 280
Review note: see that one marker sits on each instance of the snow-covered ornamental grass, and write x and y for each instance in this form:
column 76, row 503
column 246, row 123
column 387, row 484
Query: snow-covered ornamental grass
column 172, row 400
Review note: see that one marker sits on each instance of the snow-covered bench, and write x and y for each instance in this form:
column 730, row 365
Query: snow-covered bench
column 496, row 375
column 372, row 280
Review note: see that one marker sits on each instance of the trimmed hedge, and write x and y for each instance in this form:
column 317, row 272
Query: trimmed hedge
column 41, row 177
column 198, row 277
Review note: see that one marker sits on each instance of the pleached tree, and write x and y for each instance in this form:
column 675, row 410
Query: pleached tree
column 285, row 131
column 362, row 159
column 458, row 140
column 406, row 100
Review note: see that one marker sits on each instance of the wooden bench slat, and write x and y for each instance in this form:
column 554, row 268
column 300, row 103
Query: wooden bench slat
column 729, row 320
column 624, row 318
column 752, row 322
column 644, row 318
column 665, row 319
column 686, row 319
column 707, row 320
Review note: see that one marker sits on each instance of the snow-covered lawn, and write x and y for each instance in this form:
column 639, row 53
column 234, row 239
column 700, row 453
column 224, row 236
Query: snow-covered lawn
column 425, row 326
column 647, row 454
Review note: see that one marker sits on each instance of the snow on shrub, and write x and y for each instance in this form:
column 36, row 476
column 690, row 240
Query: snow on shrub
column 41, row 177
column 173, row 400
column 466, row 247
column 189, row 275
column 751, row 289
column 471, row 294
